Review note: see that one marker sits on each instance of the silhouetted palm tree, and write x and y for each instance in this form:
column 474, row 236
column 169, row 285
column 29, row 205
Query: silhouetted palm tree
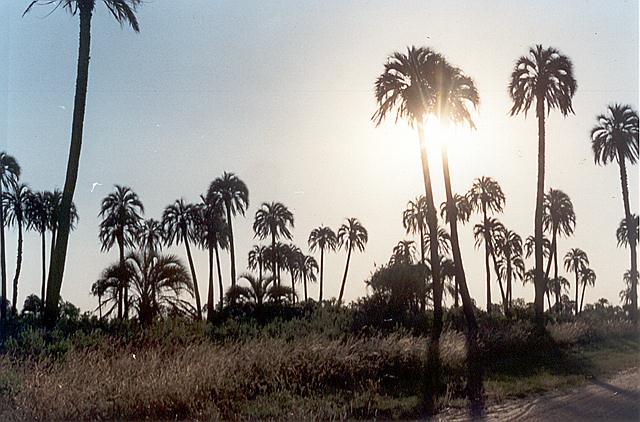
column 308, row 271
column 273, row 219
column 351, row 234
column 54, row 201
column 508, row 245
column 546, row 76
column 38, row 219
column 403, row 253
column 560, row 219
column 325, row 239
column 615, row 138
column 179, row 220
column 625, row 294
column 557, row 286
column 235, row 196
column 463, row 209
column 15, row 201
column 107, row 288
column 124, row 12
column 486, row 196
column 121, row 213
column 529, row 246
column 587, row 277
column 213, row 234
column 256, row 259
column 9, row 175
column 414, row 220
column 622, row 232
column 150, row 236
column 576, row 260
column 260, row 290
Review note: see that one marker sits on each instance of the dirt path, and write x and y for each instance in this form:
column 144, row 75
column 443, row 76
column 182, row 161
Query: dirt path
column 598, row 400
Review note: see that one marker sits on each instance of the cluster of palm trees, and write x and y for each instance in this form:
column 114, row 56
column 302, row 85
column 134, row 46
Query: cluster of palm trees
column 25, row 210
column 207, row 225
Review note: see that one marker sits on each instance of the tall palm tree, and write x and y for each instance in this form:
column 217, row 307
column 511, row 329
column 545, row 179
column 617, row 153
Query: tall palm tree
column 256, row 259
column 273, row 219
column 546, row 76
column 486, row 196
column 462, row 209
column 557, row 286
column 150, row 236
column 9, row 175
column 615, row 138
column 308, row 271
column 213, row 234
column 587, row 277
column 622, row 232
column 414, row 220
column 559, row 218
column 124, row 13
column 351, row 234
column 576, row 260
column 38, row 219
column 235, row 195
column 15, row 202
column 121, row 213
column 293, row 263
column 324, row 239
column 178, row 220
column 511, row 265
column 486, row 233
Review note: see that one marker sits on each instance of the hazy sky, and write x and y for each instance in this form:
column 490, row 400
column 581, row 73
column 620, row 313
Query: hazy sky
column 281, row 93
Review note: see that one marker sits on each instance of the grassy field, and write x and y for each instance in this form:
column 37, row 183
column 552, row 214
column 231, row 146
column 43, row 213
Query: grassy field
column 179, row 370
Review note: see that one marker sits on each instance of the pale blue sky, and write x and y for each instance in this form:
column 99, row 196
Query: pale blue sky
column 281, row 93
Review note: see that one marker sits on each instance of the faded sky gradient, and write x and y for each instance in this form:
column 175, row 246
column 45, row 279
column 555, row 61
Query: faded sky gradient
column 281, row 93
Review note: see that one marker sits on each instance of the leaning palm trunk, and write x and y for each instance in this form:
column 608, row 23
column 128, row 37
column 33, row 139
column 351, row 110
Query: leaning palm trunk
column 631, row 235
column 195, row 280
column 344, row 277
column 58, row 260
column 503, row 295
column 584, row 288
column 474, row 386
column 18, row 267
column 539, row 281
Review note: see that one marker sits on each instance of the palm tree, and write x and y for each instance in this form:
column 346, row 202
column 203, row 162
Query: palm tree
column 443, row 241
column 213, row 234
column 508, row 244
column 107, row 288
column 308, row 271
column 322, row 238
column 15, row 202
column 150, row 236
column 9, row 175
column 462, row 209
column 38, row 219
column 235, row 195
column 121, row 215
column 587, row 276
column 615, row 138
column 487, row 232
column 256, row 259
column 351, row 234
column 260, row 290
column 622, row 232
column 529, row 246
column 576, row 260
column 414, row 219
column 625, row 294
column 179, row 221
column 273, row 219
column 557, row 286
column 403, row 252
column 559, row 218
column 546, row 76
column 124, row 12
column 486, row 196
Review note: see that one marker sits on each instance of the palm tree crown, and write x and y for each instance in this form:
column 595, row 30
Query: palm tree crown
column 352, row 234
column 273, row 219
column 322, row 238
column 615, row 137
column 122, row 212
column 558, row 213
column 622, row 232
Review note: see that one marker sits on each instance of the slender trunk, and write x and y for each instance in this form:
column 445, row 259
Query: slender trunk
column 555, row 275
column 502, row 291
column 304, row 280
column 43, row 291
column 344, row 277
column 509, row 268
column 274, row 258
column 433, row 381
column 633, row 242
column 321, row 272
column 210, row 292
column 584, row 287
column 293, row 286
column 124, row 292
column 220, row 286
column 260, row 269
column 3, row 266
column 232, row 249
column 52, row 248
column 474, row 366
column 577, row 288
column 18, row 266
column 486, row 257
column 196, row 291
column 57, row 265
column 553, row 248
column 456, row 292
column 539, row 280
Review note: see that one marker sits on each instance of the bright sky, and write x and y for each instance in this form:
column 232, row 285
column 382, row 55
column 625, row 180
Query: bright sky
column 281, row 93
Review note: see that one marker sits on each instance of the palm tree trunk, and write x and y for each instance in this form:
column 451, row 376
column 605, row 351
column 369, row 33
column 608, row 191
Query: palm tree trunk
column 52, row 248
column 304, row 280
column 555, row 275
column 44, row 269
column 502, row 291
column 633, row 242
column 124, row 290
column 210, row 292
column 553, row 248
column 584, row 287
column 220, row 286
column 486, row 257
column 509, row 286
column 344, row 277
column 433, row 382
column 321, row 273
column 18, row 267
column 57, row 265
column 274, row 257
column 232, row 249
column 196, row 291
column 293, row 287
column 539, row 281
column 3, row 266
column 475, row 382
column 577, row 288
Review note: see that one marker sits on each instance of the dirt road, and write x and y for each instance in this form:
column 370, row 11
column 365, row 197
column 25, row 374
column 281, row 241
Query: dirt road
column 617, row 398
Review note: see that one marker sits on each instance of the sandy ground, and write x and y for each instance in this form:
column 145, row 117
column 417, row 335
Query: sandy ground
column 617, row 398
